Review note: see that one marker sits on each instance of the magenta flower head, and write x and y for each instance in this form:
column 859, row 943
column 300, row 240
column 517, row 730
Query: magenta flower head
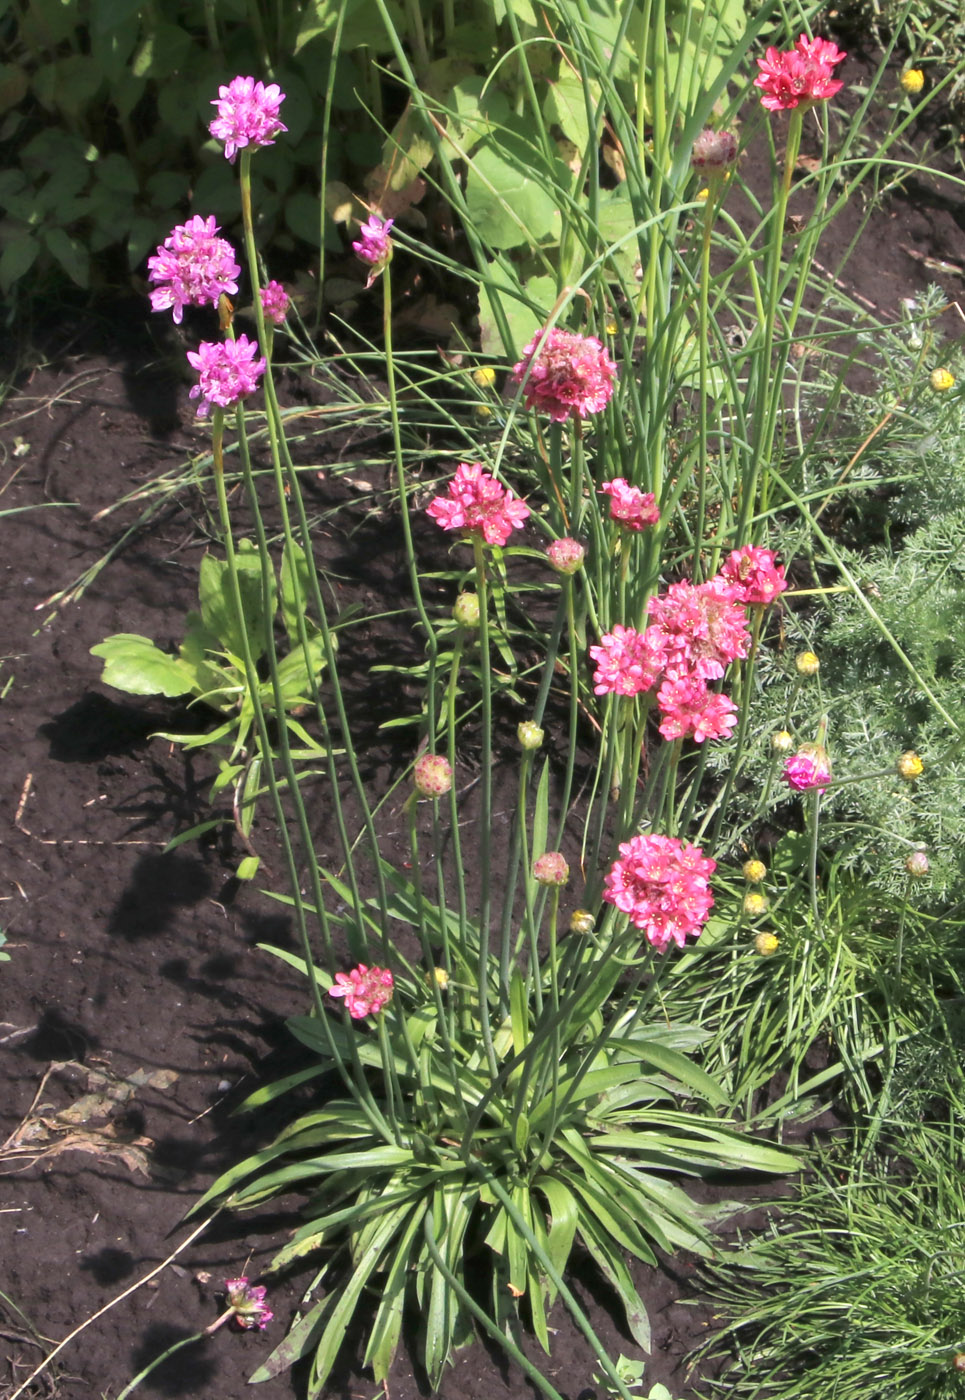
column 366, row 990
column 478, row 505
column 690, row 710
column 663, row 886
column 374, row 246
column 630, row 506
column 698, row 629
column 753, row 575
column 275, row 303
column 809, row 768
column 247, row 115
column 227, row 372
column 565, row 375
column 246, row 1302
column 192, row 267
column 801, row 76
column 625, row 663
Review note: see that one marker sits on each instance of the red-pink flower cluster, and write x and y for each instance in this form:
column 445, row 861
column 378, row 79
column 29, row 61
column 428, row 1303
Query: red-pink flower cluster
column 626, row 663
column 366, row 990
column 809, row 768
column 801, row 76
column 629, row 505
column 478, row 505
column 565, row 375
column 192, row 267
column 753, row 575
column 227, row 372
column 247, row 115
column 690, row 709
column 664, row 887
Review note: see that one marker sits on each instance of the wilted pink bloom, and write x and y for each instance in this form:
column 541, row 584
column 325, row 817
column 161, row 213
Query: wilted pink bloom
column 247, row 115
column 366, row 990
column 809, row 768
column 247, row 1304
column 689, row 709
column 551, row 869
column 227, row 372
column 753, row 575
column 804, row 74
column 566, row 556
column 565, row 374
column 714, row 150
column 275, row 302
column 478, row 505
column 626, row 664
column 630, row 506
column 192, row 267
column 374, row 246
column 697, row 629
column 663, row 885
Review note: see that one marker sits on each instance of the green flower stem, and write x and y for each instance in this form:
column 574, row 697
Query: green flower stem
column 455, row 837
column 486, row 807
column 529, row 931
column 178, row 1346
column 703, row 333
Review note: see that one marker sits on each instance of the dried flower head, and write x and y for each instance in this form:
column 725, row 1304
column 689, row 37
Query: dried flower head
column 227, row 372
column 629, row 506
column 801, row 76
column 663, row 886
column 247, row 115
column 942, row 380
column 917, row 865
column 246, row 1303
column 192, row 267
column 910, row 766
column 714, row 150
column 754, row 871
column 366, row 990
column 782, row 741
column 809, row 768
column 478, row 505
column 565, row 375
column 529, row 734
column 566, row 556
column 432, row 775
column 766, row 943
column 551, row 869
column 753, row 575
column 275, row 303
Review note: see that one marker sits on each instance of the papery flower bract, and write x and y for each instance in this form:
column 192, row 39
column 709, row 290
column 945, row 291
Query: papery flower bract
column 917, row 864
column 766, row 943
column 227, row 371
column 629, row 505
column 565, row 374
column 910, row 766
column 697, row 629
column 753, row 575
column 802, row 75
column 690, row 710
column 366, row 990
column 247, row 1304
column 807, row 664
column 478, row 505
column 664, row 887
column 247, row 115
column 192, row 267
column 809, row 768
column 275, row 302
column 625, row 663
column 374, row 246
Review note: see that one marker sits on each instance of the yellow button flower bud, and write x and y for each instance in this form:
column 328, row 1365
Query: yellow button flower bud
column 912, row 80
column 942, row 380
column 754, row 871
column 910, row 766
column 755, row 905
column 581, row 921
column 807, row 663
column 766, row 944
column 484, row 376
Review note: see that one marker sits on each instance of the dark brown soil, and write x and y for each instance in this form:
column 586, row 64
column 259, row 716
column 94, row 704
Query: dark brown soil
column 124, row 958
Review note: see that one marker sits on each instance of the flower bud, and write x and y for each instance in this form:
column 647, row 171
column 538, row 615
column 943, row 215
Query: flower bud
column 582, row 922
column 529, row 735
column 466, row 610
column 782, row 741
column 917, row 865
column 432, row 775
column 807, row 663
column 942, row 380
column 714, row 150
column 959, row 1361
column 754, row 871
column 484, row 376
column 551, row 869
column 808, row 769
column 755, row 904
column 766, row 943
column 440, row 976
column 910, row 766
column 482, row 413
column 912, row 80
column 566, row 556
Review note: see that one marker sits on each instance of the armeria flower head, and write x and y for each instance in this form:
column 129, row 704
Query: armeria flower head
column 374, row 246
column 275, row 302
column 192, row 267
column 690, row 710
column 227, row 372
column 566, row 556
column 366, row 990
column 802, row 75
column 247, row 115
column 246, row 1304
column 714, row 151
column 478, row 505
column 630, row 506
column 625, row 663
column 698, row 629
column 663, row 885
column 809, row 768
column 565, row 375
column 753, row 575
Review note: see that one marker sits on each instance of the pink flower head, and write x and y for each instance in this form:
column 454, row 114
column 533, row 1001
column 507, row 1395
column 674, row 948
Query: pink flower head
column 802, row 75
column 626, row 664
column 374, row 246
column 809, row 768
column 689, row 709
column 714, row 150
column 192, row 267
column 663, row 886
column 275, row 303
column 247, row 1304
column 565, row 374
column 753, row 575
column 366, row 990
column 478, row 505
column 566, row 556
column 247, row 115
column 227, row 372
column 630, row 506
column 698, row 629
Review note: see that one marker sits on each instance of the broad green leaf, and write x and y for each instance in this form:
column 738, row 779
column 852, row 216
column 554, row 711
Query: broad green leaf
column 524, row 317
column 476, row 106
column 519, row 1012
column 611, row 1264
column 295, row 589
column 384, row 1338
column 248, row 868
column 565, row 106
column 19, row 255
column 218, row 607
column 508, row 206
column 564, row 1217
column 134, row 664
column 70, row 253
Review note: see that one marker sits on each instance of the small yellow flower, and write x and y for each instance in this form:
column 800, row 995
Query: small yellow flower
column 755, row 905
column 754, row 871
column 484, row 376
column 766, row 944
column 782, row 741
column 910, row 766
column 482, row 413
column 942, row 380
column 703, row 194
column 807, row 663
column 912, row 80
column 611, row 326
column 440, row 976
column 581, row 921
